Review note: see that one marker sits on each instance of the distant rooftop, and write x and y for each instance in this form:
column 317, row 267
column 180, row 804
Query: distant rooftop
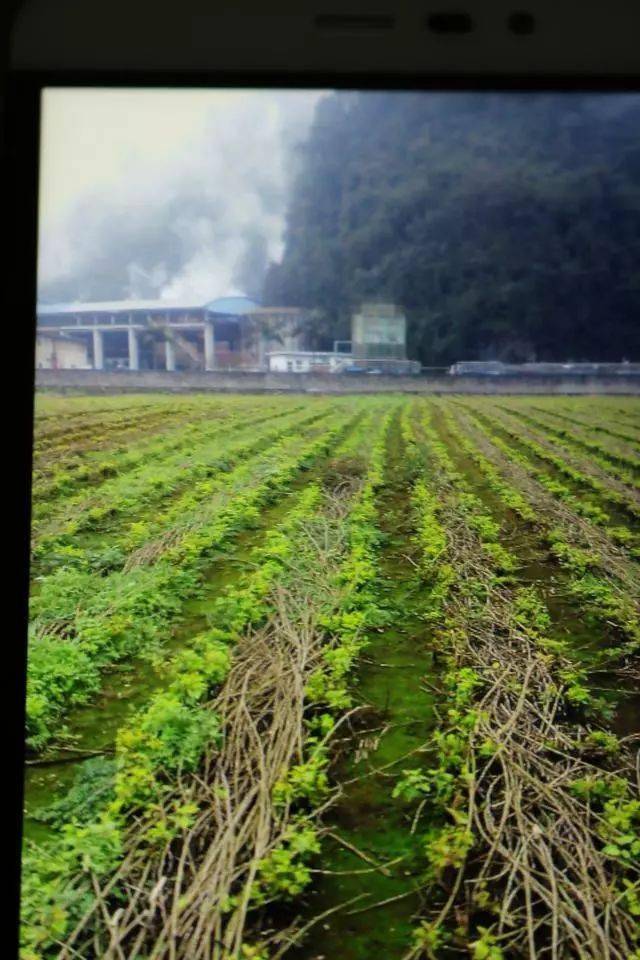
column 236, row 305
column 296, row 310
column 305, row 353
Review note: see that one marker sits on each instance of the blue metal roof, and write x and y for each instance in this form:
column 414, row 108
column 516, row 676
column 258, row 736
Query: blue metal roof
column 232, row 305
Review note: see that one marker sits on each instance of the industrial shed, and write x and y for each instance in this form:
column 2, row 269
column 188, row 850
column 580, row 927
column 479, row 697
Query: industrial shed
column 229, row 332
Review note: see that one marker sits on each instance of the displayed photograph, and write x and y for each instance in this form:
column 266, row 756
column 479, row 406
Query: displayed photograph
column 334, row 615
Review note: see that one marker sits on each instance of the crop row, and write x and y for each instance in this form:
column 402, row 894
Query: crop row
column 111, row 434
column 65, row 474
column 512, row 759
column 58, row 469
column 97, row 428
column 592, row 420
column 592, row 574
column 75, row 581
column 212, row 807
column 136, row 462
column 582, row 475
column 75, row 635
column 603, row 429
column 141, row 492
column 616, row 463
column 51, row 407
column 167, row 739
column 592, row 459
column 577, row 502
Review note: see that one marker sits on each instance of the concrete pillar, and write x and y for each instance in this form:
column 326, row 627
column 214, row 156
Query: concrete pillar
column 134, row 353
column 170, row 355
column 209, row 346
column 98, row 350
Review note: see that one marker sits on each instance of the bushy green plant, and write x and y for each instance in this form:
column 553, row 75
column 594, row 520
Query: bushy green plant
column 486, row 947
column 284, row 873
column 304, row 781
column 92, row 788
column 447, row 847
column 429, row 937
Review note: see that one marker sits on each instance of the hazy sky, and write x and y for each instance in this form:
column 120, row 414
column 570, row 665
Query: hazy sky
column 178, row 194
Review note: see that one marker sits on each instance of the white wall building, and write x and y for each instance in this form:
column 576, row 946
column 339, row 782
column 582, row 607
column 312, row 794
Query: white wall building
column 59, row 352
column 305, row 361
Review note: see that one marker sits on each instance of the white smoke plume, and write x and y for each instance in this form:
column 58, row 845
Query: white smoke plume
column 178, row 194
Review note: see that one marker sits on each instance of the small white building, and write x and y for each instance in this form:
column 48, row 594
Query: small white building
column 305, row 361
column 59, row 351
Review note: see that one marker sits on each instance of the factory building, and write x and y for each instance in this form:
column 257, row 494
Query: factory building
column 230, row 332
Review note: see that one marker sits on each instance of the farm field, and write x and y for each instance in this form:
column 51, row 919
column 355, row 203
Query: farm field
column 333, row 678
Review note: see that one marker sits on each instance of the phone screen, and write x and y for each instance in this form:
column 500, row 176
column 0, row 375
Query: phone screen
column 334, row 616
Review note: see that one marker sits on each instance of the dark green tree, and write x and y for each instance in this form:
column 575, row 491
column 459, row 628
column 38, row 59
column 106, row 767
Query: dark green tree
column 507, row 225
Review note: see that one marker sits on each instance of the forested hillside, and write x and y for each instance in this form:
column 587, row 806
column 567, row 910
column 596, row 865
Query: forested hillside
column 507, row 225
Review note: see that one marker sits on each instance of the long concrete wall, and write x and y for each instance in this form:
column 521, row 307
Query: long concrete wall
column 97, row 381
